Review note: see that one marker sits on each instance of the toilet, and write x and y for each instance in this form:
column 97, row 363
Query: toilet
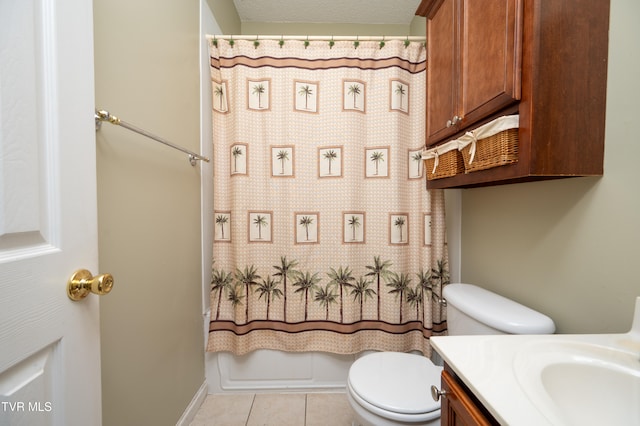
column 393, row 388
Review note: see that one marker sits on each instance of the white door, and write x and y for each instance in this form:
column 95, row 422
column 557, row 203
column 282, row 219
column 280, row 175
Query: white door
column 49, row 345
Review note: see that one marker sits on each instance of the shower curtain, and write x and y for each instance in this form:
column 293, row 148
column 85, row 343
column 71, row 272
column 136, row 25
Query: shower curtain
column 325, row 238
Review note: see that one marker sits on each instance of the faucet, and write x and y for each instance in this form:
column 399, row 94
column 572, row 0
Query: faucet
column 634, row 333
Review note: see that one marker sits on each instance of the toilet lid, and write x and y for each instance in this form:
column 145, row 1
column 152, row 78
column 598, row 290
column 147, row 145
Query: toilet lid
column 396, row 382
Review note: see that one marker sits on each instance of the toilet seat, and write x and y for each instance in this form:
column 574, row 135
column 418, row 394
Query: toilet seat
column 395, row 385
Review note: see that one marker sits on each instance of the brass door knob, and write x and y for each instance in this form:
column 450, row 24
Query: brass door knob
column 82, row 282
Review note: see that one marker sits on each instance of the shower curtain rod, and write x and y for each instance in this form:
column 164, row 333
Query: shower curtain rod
column 315, row 38
column 101, row 115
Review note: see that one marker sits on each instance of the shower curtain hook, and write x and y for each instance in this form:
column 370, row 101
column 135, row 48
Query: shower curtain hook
column 306, row 42
column 331, row 43
column 407, row 42
column 281, row 42
column 231, row 42
column 382, row 43
column 356, row 43
column 256, row 43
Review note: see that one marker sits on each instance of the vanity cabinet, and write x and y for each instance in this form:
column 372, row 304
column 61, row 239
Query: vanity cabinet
column 459, row 406
column 543, row 60
column 474, row 54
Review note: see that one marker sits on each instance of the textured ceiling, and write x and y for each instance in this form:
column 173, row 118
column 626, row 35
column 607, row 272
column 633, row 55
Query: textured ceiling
column 328, row 11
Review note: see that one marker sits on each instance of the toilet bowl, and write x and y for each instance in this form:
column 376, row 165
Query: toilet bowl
column 392, row 388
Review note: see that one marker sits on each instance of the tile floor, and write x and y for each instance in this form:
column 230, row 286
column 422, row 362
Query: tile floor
column 286, row 409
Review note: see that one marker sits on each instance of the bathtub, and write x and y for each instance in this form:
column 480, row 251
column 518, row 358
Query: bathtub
column 269, row 370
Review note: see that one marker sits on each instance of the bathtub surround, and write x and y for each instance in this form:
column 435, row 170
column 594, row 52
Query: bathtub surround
column 325, row 238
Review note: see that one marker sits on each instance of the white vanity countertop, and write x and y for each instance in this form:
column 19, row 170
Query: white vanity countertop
column 489, row 366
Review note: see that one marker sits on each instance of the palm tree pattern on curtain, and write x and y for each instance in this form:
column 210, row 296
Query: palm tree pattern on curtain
column 348, row 252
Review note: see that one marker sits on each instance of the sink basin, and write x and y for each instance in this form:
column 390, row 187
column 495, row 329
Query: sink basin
column 580, row 383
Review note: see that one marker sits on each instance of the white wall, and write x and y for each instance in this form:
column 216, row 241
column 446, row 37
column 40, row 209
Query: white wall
column 208, row 25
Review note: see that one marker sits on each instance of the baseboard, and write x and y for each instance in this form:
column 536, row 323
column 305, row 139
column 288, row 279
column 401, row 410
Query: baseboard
column 191, row 410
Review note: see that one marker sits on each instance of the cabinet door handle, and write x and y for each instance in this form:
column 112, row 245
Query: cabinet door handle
column 437, row 393
column 454, row 121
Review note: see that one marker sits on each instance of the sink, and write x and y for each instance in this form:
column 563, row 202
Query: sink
column 572, row 382
column 552, row 380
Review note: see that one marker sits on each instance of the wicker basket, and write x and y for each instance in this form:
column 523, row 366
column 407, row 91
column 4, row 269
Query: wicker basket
column 443, row 161
column 495, row 150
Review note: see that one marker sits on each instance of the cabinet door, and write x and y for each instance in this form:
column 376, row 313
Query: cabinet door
column 490, row 57
column 457, row 408
column 442, row 83
column 474, row 62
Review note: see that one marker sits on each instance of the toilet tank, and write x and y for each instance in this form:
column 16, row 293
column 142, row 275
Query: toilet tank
column 472, row 310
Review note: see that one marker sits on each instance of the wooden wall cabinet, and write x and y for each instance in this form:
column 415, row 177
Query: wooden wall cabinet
column 474, row 54
column 544, row 60
column 459, row 406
